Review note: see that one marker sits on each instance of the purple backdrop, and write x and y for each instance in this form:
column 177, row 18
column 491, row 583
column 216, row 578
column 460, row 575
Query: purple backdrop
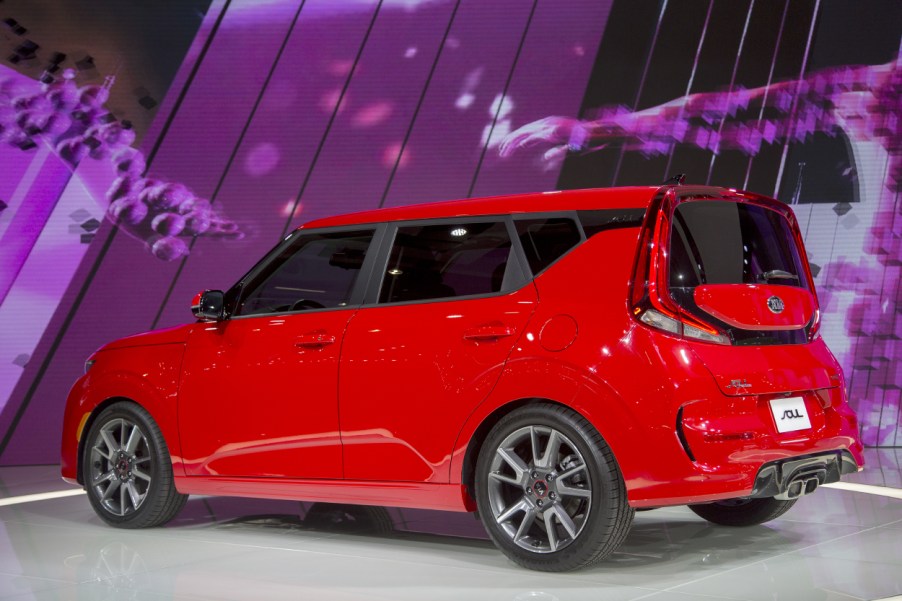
column 282, row 111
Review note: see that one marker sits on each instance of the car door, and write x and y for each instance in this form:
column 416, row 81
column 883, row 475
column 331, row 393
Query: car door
column 429, row 345
column 258, row 396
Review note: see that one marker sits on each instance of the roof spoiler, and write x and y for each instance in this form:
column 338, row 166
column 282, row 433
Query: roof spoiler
column 676, row 180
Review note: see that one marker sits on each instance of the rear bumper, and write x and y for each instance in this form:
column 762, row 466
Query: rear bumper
column 792, row 478
column 769, row 475
column 733, row 453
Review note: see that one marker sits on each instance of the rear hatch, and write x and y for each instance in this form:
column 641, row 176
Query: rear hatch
column 728, row 270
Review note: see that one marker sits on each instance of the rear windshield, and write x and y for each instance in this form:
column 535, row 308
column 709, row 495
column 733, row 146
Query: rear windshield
column 718, row 242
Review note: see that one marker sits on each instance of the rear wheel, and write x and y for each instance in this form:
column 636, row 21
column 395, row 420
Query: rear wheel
column 743, row 512
column 549, row 490
column 127, row 470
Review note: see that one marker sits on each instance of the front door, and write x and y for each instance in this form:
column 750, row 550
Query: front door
column 259, row 391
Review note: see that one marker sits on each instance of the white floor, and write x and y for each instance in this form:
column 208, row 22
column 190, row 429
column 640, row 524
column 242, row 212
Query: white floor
column 833, row 545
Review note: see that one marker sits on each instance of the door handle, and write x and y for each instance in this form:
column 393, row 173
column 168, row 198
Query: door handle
column 314, row 340
column 488, row 332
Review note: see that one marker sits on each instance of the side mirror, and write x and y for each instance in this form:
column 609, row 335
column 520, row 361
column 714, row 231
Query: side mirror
column 208, row 305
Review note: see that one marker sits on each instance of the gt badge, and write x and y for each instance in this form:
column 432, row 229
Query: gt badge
column 738, row 384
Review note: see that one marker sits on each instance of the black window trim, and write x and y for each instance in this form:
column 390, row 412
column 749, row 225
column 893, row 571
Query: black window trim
column 375, row 265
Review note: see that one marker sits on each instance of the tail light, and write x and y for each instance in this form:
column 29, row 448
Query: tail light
column 814, row 330
column 649, row 298
column 676, row 326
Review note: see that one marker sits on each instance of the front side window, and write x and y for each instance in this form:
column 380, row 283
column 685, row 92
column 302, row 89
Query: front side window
column 315, row 271
column 447, row 260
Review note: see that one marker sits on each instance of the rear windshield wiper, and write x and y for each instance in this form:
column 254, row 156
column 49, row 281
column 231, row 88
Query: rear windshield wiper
column 778, row 274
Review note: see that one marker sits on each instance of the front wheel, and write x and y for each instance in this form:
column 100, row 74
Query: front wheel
column 743, row 512
column 549, row 491
column 127, row 471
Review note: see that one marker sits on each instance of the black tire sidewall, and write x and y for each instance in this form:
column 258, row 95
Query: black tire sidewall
column 604, row 478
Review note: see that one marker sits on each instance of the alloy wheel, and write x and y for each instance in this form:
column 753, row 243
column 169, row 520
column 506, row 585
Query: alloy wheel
column 121, row 464
column 539, row 489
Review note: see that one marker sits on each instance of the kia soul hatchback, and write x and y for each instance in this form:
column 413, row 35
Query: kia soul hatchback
column 553, row 361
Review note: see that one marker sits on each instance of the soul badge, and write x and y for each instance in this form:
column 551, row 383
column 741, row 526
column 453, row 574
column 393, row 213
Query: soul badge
column 775, row 304
column 790, row 414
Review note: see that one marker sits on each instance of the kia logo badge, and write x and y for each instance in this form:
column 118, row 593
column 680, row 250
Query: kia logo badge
column 775, row 304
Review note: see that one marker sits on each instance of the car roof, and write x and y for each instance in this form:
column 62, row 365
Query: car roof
column 636, row 197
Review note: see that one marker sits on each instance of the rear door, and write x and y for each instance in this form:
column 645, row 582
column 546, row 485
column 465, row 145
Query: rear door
column 429, row 346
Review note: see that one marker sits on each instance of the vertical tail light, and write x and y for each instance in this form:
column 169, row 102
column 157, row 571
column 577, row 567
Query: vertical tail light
column 649, row 296
column 814, row 330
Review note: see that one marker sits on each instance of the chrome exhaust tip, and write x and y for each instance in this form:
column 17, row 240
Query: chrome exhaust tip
column 799, row 487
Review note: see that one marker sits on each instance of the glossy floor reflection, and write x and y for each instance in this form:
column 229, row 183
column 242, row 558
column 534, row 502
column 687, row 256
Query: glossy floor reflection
column 833, row 545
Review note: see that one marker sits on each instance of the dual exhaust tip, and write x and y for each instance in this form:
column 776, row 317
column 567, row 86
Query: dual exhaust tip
column 802, row 484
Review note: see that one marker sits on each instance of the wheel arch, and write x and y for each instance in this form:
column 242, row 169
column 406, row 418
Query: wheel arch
column 558, row 384
column 474, row 446
column 116, row 382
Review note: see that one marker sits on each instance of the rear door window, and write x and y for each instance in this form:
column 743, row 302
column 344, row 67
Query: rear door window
column 446, row 260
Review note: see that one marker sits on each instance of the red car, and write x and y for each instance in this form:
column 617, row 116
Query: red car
column 555, row 361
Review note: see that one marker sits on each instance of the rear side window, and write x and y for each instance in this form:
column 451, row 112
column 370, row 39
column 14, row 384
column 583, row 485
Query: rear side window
column 445, row 261
column 545, row 240
column 716, row 242
column 316, row 271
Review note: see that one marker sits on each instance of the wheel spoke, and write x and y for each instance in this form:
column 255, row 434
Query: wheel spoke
column 513, row 460
column 133, row 494
column 571, row 471
column 110, row 443
column 134, row 439
column 139, row 474
column 571, row 491
column 528, row 520
column 122, row 494
column 102, row 453
column 521, row 505
column 565, row 520
column 550, row 531
column 114, row 484
column 104, row 477
column 534, row 443
column 141, row 460
column 504, row 478
column 552, row 450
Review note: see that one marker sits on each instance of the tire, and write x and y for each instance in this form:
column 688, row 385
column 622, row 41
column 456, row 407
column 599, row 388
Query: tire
column 743, row 512
column 549, row 491
column 127, row 470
